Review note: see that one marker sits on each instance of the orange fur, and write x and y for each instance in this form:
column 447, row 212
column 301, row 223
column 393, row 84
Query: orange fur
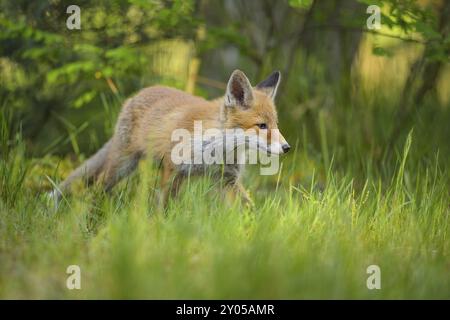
column 147, row 120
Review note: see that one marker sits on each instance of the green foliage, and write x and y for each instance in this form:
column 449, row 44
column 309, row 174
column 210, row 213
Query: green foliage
column 416, row 20
column 303, row 4
column 71, row 68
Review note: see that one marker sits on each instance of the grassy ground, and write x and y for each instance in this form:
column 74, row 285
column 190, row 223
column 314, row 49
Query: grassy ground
column 313, row 233
column 342, row 201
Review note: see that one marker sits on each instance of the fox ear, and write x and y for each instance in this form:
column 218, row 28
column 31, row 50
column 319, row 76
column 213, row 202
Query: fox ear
column 239, row 91
column 270, row 85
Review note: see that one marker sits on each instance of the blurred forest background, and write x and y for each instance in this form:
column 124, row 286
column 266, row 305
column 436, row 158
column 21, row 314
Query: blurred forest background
column 366, row 111
column 365, row 88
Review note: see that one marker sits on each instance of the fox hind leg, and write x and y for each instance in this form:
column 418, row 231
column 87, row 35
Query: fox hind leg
column 117, row 169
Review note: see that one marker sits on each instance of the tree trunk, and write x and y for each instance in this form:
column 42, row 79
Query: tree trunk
column 424, row 70
column 332, row 36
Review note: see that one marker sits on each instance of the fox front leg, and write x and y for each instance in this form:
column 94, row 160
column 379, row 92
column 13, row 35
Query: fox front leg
column 237, row 191
column 171, row 191
column 170, row 184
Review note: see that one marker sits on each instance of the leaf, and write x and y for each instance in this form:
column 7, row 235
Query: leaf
column 382, row 52
column 427, row 30
column 303, row 4
column 84, row 99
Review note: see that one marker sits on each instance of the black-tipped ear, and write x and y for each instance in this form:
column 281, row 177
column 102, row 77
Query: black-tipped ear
column 270, row 85
column 239, row 91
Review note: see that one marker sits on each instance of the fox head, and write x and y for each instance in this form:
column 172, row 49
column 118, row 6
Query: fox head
column 253, row 110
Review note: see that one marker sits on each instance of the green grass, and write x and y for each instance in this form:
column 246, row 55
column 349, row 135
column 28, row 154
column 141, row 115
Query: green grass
column 341, row 202
column 311, row 237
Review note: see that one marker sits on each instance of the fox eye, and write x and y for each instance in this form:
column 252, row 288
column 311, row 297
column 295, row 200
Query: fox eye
column 262, row 125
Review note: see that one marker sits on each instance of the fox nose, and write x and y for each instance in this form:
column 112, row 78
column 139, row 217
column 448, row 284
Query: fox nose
column 286, row 147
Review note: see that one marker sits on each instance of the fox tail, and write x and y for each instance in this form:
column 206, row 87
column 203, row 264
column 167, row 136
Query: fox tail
column 89, row 169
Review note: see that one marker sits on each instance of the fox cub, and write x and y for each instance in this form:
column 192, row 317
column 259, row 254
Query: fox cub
column 147, row 121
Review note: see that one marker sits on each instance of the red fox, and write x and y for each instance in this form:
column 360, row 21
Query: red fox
column 148, row 120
